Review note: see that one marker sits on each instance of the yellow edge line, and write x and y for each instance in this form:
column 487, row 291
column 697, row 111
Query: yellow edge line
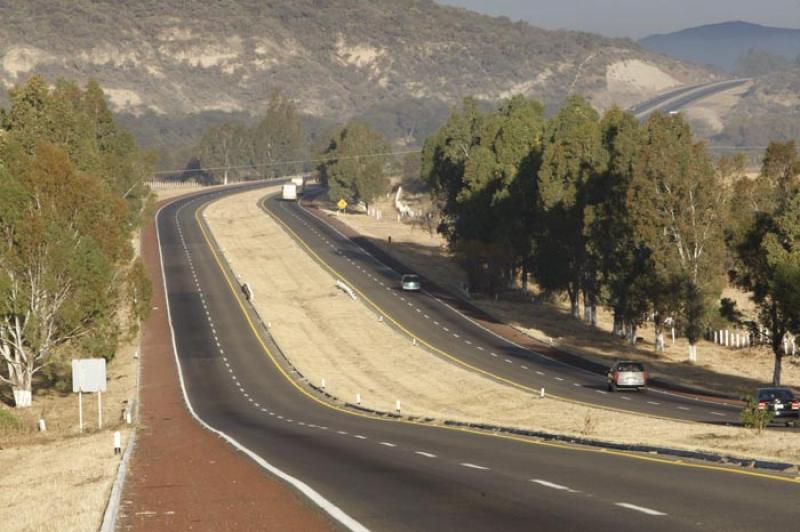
column 526, row 441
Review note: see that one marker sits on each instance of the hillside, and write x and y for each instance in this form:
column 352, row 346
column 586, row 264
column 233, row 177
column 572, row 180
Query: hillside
column 722, row 45
column 398, row 63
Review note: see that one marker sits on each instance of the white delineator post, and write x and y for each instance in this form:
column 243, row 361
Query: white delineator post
column 397, row 406
column 358, row 398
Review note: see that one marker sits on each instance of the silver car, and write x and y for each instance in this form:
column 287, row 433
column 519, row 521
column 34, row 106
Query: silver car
column 627, row 374
column 410, row 281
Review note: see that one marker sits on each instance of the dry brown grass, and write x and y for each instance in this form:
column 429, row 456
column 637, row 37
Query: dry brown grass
column 61, row 479
column 736, row 371
column 327, row 335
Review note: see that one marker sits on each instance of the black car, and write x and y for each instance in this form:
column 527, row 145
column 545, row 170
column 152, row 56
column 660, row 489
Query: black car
column 780, row 402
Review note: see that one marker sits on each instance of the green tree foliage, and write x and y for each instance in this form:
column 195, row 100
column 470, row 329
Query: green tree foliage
column 276, row 146
column 71, row 188
column 225, row 152
column 354, row 166
column 572, row 159
column 627, row 215
column 279, row 141
column 678, row 204
column 623, row 265
column 480, row 168
column 765, row 239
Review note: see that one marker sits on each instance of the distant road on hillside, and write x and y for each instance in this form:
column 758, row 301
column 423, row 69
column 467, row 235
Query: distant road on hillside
column 679, row 98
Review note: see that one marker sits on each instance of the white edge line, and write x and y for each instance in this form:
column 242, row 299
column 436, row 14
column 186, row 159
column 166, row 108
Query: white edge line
column 334, row 511
column 642, row 509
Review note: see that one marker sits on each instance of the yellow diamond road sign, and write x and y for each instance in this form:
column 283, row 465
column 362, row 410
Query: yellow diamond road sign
column 342, row 204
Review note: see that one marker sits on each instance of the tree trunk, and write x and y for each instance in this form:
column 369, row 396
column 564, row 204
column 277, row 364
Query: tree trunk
column 21, row 389
column 776, row 372
column 660, row 341
column 632, row 333
column 658, row 327
column 525, row 275
column 573, row 303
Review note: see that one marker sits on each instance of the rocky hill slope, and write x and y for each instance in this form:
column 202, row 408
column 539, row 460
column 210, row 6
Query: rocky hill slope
column 392, row 60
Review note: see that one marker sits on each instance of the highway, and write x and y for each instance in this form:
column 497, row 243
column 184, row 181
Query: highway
column 679, row 98
column 430, row 317
column 392, row 475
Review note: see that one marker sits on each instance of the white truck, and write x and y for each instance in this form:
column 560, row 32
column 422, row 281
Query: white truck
column 299, row 182
column 289, row 192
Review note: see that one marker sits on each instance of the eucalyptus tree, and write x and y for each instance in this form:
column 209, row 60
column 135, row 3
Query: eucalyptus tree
column 765, row 239
column 572, row 158
column 355, row 163
column 623, row 265
column 678, row 204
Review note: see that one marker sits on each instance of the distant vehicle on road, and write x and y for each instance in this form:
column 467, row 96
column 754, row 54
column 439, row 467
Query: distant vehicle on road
column 289, row 192
column 410, row 281
column 299, row 182
column 627, row 374
column 780, row 402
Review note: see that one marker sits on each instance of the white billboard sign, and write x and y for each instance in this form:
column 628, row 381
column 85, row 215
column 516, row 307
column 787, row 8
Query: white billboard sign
column 89, row 375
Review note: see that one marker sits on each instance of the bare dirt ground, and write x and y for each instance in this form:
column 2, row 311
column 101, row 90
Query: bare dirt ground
column 67, row 473
column 328, row 335
column 721, row 369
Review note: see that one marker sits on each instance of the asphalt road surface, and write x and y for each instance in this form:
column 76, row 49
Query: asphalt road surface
column 679, row 98
column 389, row 475
column 430, row 317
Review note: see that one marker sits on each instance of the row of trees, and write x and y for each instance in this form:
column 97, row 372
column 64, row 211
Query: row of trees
column 275, row 146
column 636, row 217
column 71, row 192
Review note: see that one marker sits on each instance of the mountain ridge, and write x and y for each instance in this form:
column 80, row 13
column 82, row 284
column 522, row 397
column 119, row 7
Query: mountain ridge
column 336, row 58
column 722, row 44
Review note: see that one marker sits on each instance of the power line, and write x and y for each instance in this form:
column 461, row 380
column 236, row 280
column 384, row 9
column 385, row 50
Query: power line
column 278, row 163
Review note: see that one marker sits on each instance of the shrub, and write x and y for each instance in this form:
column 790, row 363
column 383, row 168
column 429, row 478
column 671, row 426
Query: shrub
column 752, row 417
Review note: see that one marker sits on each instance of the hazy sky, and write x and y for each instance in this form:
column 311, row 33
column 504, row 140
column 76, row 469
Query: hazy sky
column 637, row 18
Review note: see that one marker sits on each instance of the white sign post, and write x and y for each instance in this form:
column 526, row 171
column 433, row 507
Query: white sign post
column 89, row 375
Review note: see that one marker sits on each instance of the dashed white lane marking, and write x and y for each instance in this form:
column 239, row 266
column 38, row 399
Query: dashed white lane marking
column 652, row 403
column 629, row 506
column 456, row 335
column 718, row 413
column 683, row 408
column 553, row 485
column 624, row 398
column 474, row 466
column 576, row 384
column 524, row 367
column 509, row 361
column 427, row 455
column 559, row 379
column 342, row 432
column 426, row 316
column 493, row 354
column 359, row 436
column 467, row 342
column 479, row 348
column 446, row 329
column 601, row 391
column 539, row 373
column 387, row 444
